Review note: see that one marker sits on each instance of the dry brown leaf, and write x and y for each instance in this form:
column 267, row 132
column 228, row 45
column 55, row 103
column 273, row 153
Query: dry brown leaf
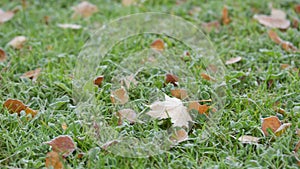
column 98, row 80
column 179, row 93
column 64, row 126
column 128, row 2
column 233, row 60
column 179, row 136
column 53, row 159
column 128, row 80
column 297, row 147
column 207, row 77
column 6, row 16
column 270, row 122
column 127, row 114
column 200, row 108
column 248, row 139
column 209, row 26
column 225, row 16
column 171, row 108
column 170, row 78
column 284, row 44
column 2, row 55
column 158, row 45
column 108, row 144
column 295, row 23
column 282, row 129
column 277, row 19
column 62, row 144
column 17, row 42
column 297, row 8
column 33, row 74
column 16, row 106
column 284, row 66
column 69, row 26
column 84, row 9
column 119, row 96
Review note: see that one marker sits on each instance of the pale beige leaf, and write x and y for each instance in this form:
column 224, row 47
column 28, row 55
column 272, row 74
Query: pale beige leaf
column 272, row 22
column 69, row 26
column 17, row 42
column 128, row 80
column 248, row 139
column 179, row 136
column 6, row 16
column 277, row 13
column 233, row 60
column 33, row 74
column 127, row 114
column 282, row 129
column 119, row 96
column 171, row 108
column 84, row 9
column 128, row 2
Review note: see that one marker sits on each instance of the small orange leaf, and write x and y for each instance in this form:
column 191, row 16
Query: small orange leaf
column 179, row 93
column 120, row 95
column 158, row 45
column 179, row 136
column 297, row 8
column 98, row 80
column 170, row 78
column 284, row 66
column 248, row 139
column 17, row 42
column 207, row 77
column 233, row 60
column 64, row 126
column 2, row 55
column 196, row 106
column 203, row 109
column 284, row 44
column 84, row 9
column 270, row 122
column 69, row 26
column 6, row 16
column 53, row 159
column 225, row 16
column 33, row 74
column 282, row 129
column 16, row 106
column 127, row 114
column 62, row 144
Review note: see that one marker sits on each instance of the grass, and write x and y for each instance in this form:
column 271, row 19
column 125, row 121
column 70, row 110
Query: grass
column 249, row 95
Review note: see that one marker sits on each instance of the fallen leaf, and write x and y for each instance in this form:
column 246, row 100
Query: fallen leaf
column 33, row 74
column 127, row 114
column 282, row 129
column 277, row 19
column 46, row 20
column 179, row 93
column 6, row 16
column 270, row 122
column 80, row 155
column 225, row 16
column 98, row 80
column 84, row 9
column 158, row 45
column 179, row 136
column 297, row 8
column 248, row 139
column 207, row 77
column 53, row 159
column 297, row 147
column 2, row 55
column 16, row 106
column 298, row 132
column 284, row 66
column 108, row 144
column 170, row 78
column 69, row 26
column 119, row 96
column 233, row 60
column 284, row 44
column 209, row 26
column 17, row 42
column 128, row 2
column 64, row 126
column 62, row 144
column 171, row 108
column 128, row 80
column 295, row 23
column 200, row 108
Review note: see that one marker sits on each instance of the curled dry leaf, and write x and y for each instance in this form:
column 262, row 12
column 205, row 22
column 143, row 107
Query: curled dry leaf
column 277, row 19
column 179, row 93
column 98, row 80
column 17, row 42
column 69, row 26
column 62, row 144
column 54, row 160
column 158, row 45
column 128, row 2
column 16, row 106
column 233, row 60
column 171, row 108
column 84, row 9
column 209, row 26
column 127, row 114
column 179, row 136
column 2, row 55
column 119, row 96
column 225, row 16
column 33, row 74
column 282, row 129
column 207, row 77
column 6, row 16
column 248, row 139
column 200, row 108
column 284, row 44
column 297, row 8
column 170, row 78
column 270, row 122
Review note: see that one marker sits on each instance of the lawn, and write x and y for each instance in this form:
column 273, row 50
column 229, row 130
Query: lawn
column 264, row 83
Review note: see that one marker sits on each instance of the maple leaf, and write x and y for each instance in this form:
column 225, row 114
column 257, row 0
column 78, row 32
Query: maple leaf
column 171, row 108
